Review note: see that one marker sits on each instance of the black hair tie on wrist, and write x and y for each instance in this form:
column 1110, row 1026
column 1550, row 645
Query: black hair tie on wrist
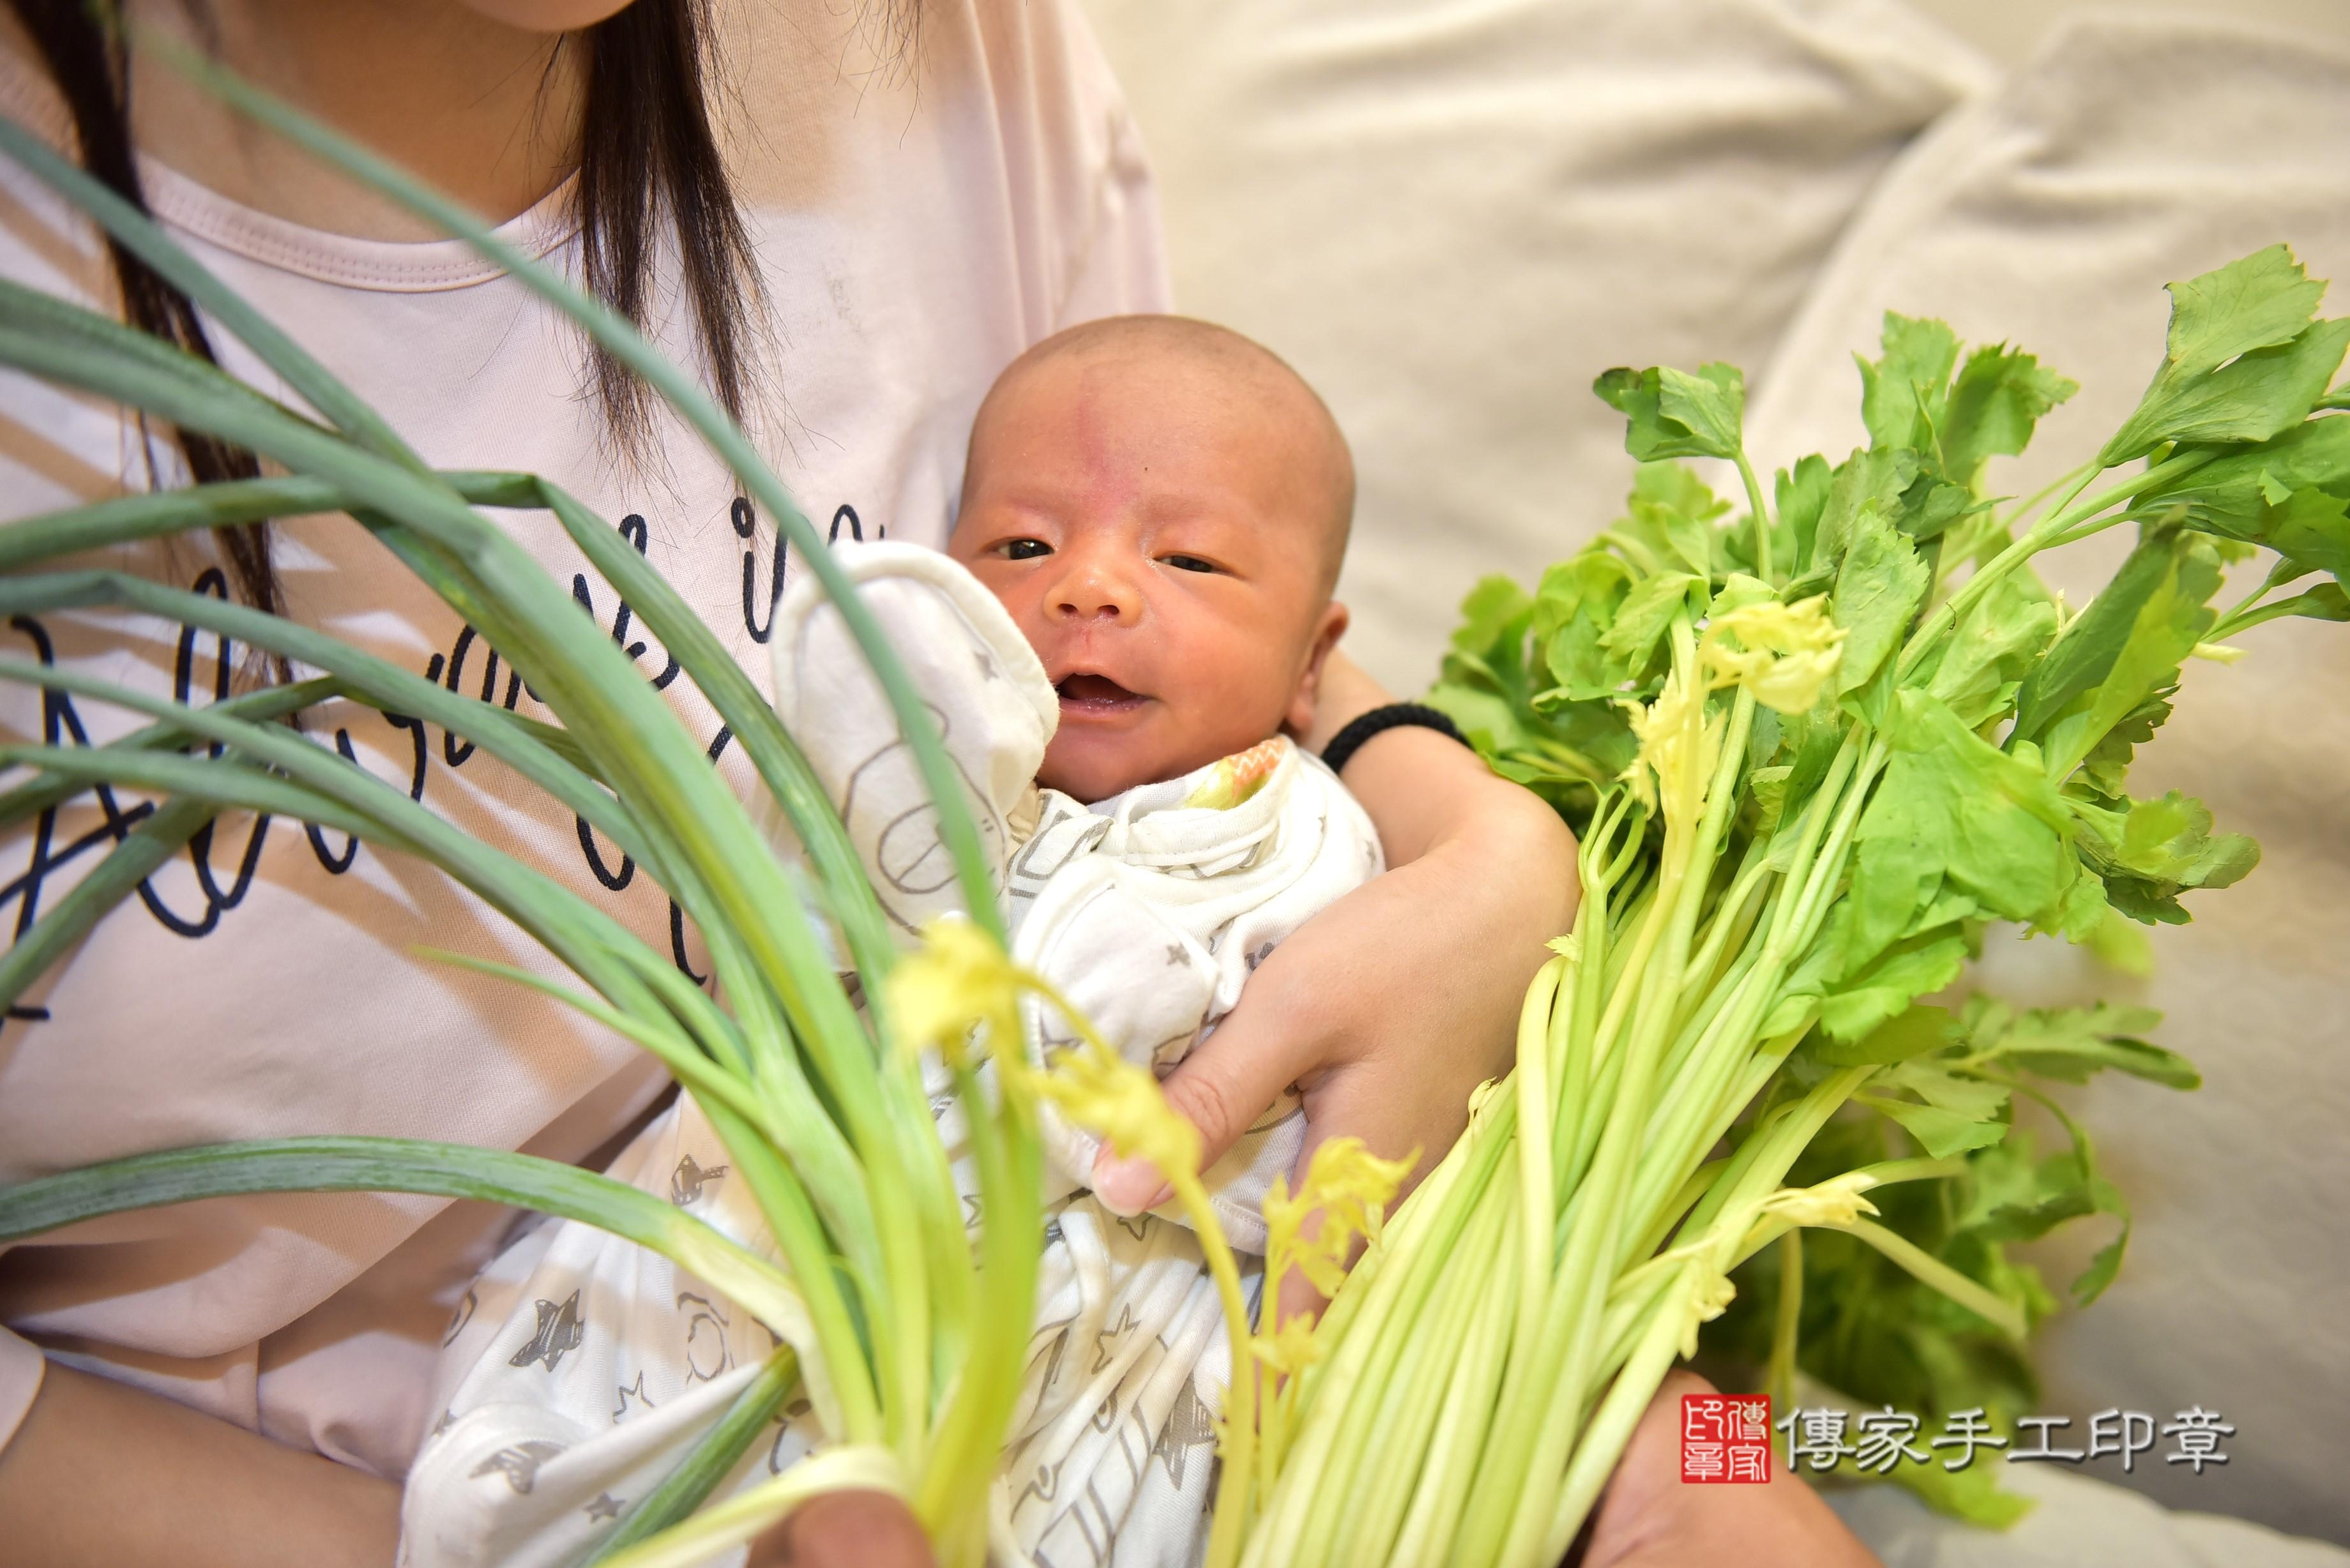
column 1348, row 740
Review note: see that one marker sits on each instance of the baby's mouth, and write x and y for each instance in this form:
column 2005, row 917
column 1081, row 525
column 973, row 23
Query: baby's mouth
column 1096, row 696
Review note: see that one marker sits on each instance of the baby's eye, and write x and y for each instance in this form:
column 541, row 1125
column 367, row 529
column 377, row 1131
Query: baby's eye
column 1024, row 549
column 1187, row 563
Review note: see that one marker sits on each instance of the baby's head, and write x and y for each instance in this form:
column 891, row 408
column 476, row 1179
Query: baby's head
column 1162, row 505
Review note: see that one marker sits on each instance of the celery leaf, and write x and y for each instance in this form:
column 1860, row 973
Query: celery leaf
column 1878, row 589
column 2245, row 358
column 2287, row 493
column 1672, row 413
column 1953, row 807
column 1903, row 395
column 1998, row 401
column 2125, row 646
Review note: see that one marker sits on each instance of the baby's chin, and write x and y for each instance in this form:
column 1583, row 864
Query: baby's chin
column 1092, row 776
column 1090, row 768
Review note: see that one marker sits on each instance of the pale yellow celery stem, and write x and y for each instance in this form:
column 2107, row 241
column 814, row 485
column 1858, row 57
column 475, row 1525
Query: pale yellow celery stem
column 1459, row 1440
column 1781, row 1379
column 1401, row 1426
column 1374, row 1321
column 1994, row 1309
column 1235, row 1504
column 1535, row 1180
column 1346, row 1189
column 1412, row 1220
column 1543, row 1407
column 1605, row 1435
column 1356, row 1419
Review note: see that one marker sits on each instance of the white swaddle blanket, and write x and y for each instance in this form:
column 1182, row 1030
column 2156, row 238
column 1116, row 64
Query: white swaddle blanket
column 581, row 1367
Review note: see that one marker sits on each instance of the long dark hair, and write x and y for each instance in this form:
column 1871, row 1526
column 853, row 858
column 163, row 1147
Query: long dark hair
column 646, row 150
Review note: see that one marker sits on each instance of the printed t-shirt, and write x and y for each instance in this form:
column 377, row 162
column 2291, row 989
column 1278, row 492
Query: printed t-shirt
column 915, row 230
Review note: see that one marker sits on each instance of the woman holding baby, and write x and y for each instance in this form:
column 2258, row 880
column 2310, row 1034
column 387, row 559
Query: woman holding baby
column 852, row 221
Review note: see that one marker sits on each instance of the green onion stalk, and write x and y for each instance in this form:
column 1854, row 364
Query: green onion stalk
column 908, row 1340
column 1812, row 753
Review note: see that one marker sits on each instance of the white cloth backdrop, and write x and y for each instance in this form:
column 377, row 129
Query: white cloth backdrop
column 2126, row 154
column 1451, row 214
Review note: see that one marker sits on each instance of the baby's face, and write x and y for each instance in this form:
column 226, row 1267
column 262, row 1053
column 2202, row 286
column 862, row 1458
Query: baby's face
column 1153, row 533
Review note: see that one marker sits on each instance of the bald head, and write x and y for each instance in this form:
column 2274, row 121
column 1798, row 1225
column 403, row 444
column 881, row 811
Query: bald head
column 1163, row 506
column 1247, row 379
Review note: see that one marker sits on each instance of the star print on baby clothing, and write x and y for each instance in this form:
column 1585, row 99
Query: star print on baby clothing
column 1189, row 1426
column 605, row 1506
column 559, row 1332
column 1059, row 1353
column 1106, row 1342
column 519, row 1464
column 686, row 1186
column 632, row 1395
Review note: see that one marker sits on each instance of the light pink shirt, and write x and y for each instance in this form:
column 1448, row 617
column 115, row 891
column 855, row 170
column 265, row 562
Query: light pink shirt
column 915, row 234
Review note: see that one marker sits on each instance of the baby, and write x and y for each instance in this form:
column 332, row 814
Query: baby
column 1152, row 518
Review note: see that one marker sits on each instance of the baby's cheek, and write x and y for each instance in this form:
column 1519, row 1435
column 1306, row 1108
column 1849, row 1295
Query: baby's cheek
column 1014, row 592
column 1242, row 698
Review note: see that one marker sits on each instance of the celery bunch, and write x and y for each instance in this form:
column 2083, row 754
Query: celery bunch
column 1812, row 750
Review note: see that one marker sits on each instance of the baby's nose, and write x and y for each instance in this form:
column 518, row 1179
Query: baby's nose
column 1096, row 592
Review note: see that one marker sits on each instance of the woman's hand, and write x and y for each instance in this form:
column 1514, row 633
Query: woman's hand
column 1648, row 1519
column 1390, row 1006
column 845, row 1530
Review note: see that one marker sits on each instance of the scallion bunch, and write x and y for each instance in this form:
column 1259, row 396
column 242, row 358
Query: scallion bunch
column 908, row 1335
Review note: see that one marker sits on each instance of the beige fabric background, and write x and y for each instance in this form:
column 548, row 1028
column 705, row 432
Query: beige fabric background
column 2010, row 30
column 2126, row 154
column 1451, row 214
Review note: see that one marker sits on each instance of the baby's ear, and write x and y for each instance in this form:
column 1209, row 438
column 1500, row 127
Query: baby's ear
column 1327, row 631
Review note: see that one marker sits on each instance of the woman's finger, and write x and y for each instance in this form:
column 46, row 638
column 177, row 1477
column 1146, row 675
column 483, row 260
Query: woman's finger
column 1229, row 1081
column 1372, row 1100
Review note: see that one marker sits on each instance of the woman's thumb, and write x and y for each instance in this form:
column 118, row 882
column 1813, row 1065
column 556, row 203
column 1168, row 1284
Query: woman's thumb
column 1228, row 1081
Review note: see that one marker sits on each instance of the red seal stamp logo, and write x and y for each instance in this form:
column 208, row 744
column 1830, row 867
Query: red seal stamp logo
column 1725, row 1438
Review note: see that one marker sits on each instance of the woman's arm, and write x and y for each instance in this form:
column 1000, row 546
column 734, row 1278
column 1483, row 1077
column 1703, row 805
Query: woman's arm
column 101, row 1475
column 1390, row 1006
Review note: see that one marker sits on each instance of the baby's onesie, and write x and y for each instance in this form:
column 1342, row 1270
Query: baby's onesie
column 581, row 1367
